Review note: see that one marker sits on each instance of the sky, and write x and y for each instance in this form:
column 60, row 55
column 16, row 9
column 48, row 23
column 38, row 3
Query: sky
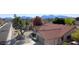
column 39, row 7
column 33, row 15
column 34, row 8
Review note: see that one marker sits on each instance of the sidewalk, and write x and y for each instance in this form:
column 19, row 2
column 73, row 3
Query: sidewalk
column 3, row 25
column 10, row 33
column 28, row 40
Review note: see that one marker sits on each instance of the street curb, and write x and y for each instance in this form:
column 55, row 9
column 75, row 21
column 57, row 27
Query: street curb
column 9, row 34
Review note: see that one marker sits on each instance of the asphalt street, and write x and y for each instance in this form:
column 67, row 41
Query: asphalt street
column 4, row 32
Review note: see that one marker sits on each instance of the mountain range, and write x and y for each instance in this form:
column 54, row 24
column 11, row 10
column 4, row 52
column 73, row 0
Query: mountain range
column 44, row 17
column 53, row 16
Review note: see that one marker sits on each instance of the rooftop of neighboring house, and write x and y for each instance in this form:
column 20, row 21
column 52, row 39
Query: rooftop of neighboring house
column 53, row 31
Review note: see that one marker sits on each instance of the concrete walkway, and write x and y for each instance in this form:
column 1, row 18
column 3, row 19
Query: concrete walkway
column 28, row 40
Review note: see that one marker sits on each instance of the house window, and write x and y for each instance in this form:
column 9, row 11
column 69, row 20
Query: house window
column 68, row 38
column 62, row 39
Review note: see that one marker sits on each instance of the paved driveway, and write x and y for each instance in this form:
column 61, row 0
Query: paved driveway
column 28, row 40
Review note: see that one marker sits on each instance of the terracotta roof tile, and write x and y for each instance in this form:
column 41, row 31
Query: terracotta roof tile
column 52, row 31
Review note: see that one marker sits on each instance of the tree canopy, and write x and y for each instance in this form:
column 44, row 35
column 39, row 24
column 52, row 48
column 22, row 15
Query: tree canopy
column 19, row 23
column 59, row 21
column 69, row 21
column 37, row 21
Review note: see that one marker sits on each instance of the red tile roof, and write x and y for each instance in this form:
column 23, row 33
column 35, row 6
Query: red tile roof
column 52, row 31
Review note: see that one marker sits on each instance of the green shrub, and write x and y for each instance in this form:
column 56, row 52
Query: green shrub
column 75, row 35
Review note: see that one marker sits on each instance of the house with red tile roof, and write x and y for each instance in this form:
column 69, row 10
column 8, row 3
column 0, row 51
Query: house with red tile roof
column 53, row 34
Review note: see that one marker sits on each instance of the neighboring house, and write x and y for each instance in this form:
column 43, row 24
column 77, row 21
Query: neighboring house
column 54, row 33
column 77, row 23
